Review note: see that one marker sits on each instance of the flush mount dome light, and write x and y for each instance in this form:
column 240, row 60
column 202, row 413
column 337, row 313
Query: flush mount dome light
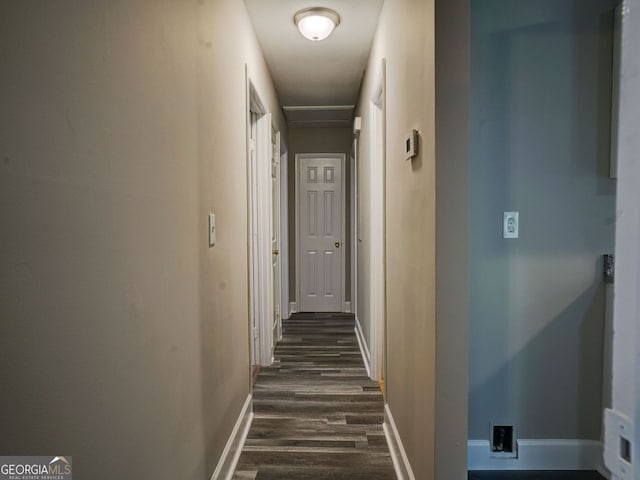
column 316, row 23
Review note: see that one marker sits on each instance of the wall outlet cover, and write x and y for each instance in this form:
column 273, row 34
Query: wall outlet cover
column 618, row 444
column 511, row 225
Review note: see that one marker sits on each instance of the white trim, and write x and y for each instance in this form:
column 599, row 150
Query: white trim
column 265, row 224
column 276, row 240
column 293, row 308
column 253, row 104
column 545, row 454
column 398, row 454
column 354, row 226
column 296, row 223
column 343, row 232
column 284, row 234
column 377, row 294
column 346, row 308
column 260, row 292
column 232, row 450
column 626, row 322
column 364, row 348
column 602, row 470
column 615, row 92
column 342, row 157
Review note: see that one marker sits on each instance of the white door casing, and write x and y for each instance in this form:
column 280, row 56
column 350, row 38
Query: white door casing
column 622, row 427
column 377, row 294
column 254, row 304
column 276, row 269
column 320, row 232
column 284, row 238
column 354, row 226
column 264, row 293
column 259, row 179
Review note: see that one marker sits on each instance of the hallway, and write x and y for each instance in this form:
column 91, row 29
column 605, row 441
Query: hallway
column 316, row 412
column 179, row 179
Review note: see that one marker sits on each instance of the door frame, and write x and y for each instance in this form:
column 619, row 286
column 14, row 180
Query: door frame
column 342, row 157
column 353, row 205
column 285, row 311
column 275, row 213
column 260, row 299
column 623, row 420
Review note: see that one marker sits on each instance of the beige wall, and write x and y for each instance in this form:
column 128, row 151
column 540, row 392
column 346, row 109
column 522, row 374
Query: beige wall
column 405, row 37
column 124, row 337
column 318, row 140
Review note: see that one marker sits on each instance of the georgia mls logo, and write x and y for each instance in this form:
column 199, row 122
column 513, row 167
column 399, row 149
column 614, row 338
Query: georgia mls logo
column 36, row 468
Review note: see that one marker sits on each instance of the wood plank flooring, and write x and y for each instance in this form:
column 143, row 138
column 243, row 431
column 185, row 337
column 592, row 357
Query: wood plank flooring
column 317, row 415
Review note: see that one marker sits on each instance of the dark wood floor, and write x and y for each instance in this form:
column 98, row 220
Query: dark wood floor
column 317, row 415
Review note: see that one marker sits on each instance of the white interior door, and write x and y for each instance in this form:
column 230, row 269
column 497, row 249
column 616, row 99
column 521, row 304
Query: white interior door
column 320, row 225
column 275, row 238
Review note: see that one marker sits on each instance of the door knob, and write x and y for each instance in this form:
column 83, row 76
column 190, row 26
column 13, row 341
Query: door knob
column 337, row 244
column 275, row 252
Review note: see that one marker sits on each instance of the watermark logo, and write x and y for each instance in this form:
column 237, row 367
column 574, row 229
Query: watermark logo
column 36, row 468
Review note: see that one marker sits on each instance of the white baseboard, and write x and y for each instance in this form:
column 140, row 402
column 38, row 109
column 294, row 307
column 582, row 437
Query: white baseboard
column 364, row 349
column 233, row 449
column 293, row 308
column 545, row 454
column 602, row 470
column 346, row 307
column 398, row 455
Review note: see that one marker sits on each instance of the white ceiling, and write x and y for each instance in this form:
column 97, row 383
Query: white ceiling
column 326, row 73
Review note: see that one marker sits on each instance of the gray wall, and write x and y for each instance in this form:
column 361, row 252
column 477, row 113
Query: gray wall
column 318, row 140
column 539, row 143
column 124, row 338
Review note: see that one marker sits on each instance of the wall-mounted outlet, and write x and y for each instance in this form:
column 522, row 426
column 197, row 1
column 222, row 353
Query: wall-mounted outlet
column 625, row 449
column 618, row 446
column 503, row 442
column 511, row 225
column 212, row 229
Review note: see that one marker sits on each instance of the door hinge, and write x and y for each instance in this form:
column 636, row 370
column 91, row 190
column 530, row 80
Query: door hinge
column 255, row 332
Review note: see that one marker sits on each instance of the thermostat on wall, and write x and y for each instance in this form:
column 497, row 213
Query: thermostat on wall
column 411, row 145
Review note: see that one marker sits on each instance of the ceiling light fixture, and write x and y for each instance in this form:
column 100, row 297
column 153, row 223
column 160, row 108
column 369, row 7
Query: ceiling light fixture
column 316, row 23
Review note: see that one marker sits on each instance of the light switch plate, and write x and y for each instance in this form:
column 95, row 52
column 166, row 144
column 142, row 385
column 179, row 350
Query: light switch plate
column 212, row 229
column 511, row 225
